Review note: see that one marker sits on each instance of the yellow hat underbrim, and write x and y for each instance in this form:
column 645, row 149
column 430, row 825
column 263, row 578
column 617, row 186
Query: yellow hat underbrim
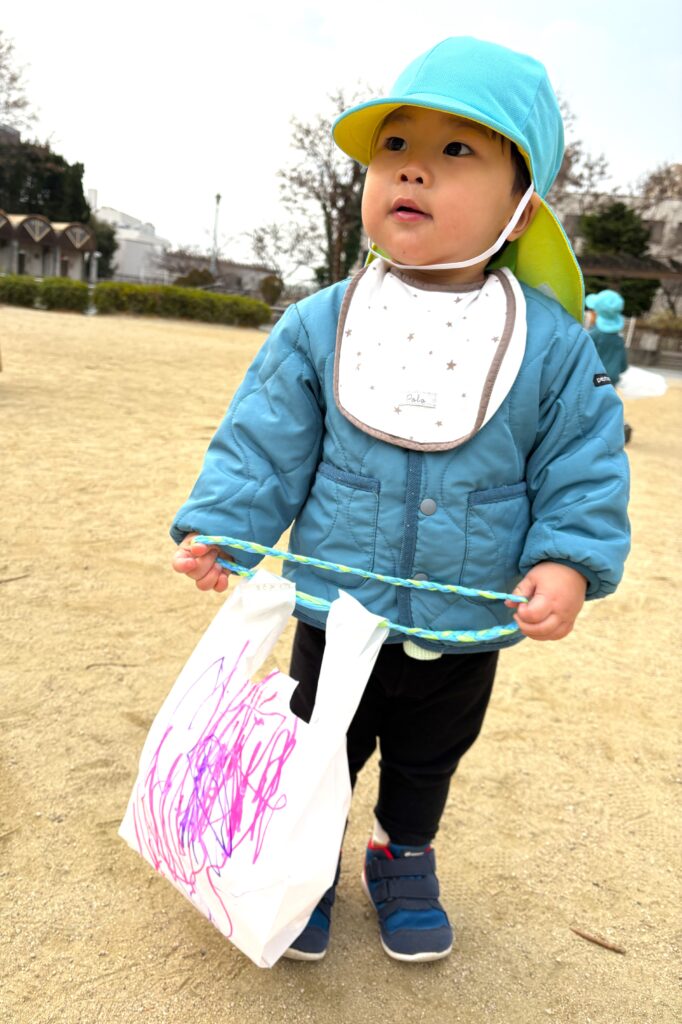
column 544, row 259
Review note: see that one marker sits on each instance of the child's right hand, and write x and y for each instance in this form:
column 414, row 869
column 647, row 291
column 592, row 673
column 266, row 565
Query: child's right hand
column 198, row 561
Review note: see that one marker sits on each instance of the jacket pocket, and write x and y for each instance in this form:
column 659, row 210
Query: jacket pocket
column 338, row 523
column 497, row 523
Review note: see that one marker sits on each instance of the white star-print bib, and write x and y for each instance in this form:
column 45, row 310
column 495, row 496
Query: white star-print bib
column 423, row 367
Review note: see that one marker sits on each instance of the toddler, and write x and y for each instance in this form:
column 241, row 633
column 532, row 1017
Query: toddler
column 441, row 416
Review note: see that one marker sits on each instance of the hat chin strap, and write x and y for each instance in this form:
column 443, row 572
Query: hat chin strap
column 525, row 199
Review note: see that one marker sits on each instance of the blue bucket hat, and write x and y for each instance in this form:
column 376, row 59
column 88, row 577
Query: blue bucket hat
column 608, row 305
column 510, row 93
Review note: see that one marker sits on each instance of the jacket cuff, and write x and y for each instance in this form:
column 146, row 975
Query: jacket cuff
column 595, row 586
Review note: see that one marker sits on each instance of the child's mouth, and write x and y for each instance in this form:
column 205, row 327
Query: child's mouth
column 404, row 210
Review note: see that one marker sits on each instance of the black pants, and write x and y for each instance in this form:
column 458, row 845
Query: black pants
column 425, row 714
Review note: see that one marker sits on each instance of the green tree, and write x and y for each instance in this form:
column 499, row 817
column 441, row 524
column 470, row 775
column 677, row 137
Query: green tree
column 105, row 240
column 617, row 230
column 33, row 179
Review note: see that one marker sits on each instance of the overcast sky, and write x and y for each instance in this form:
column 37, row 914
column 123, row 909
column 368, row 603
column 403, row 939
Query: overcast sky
column 168, row 103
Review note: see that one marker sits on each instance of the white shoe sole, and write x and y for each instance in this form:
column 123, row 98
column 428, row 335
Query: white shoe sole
column 412, row 958
column 297, row 954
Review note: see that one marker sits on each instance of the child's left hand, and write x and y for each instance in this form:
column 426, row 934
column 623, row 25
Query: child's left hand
column 555, row 593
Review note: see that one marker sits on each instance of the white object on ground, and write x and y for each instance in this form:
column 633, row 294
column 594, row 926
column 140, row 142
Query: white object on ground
column 639, row 383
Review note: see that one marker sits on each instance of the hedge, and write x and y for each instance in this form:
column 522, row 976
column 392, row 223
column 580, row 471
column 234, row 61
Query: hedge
column 143, row 300
column 63, row 293
column 181, row 303
column 18, row 290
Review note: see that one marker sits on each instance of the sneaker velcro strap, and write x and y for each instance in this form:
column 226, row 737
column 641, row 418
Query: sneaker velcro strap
column 424, row 888
column 387, row 909
column 398, row 867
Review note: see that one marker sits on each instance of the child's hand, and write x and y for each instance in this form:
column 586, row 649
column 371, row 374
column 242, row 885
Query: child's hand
column 555, row 593
column 198, row 561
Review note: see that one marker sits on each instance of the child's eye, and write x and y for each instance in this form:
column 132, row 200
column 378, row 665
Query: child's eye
column 457, row 149
column 395, row 143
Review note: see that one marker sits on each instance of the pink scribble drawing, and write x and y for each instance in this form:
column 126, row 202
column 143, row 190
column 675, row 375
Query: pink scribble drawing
column 193, row 810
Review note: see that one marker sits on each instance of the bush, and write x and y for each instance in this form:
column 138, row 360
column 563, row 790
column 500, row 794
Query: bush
column 110, row 297
column 664, row 323
column 271, row 288
column 180, row 303
column 195, row 279
column 63, row 293
column 18, row 290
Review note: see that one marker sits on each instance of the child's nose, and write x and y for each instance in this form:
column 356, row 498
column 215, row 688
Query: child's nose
column 412, row 177
column 415, row 172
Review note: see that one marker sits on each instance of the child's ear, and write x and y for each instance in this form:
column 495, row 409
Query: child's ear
column 526, row 218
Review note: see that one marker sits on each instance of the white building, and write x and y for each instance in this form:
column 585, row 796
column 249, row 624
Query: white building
column 139, row 249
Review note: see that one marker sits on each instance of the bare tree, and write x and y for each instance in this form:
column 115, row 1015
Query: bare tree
column 580, row 173
column 181, row 261
column 287, row 248
column 663, row 183
column 322, row 194
column 15, row 110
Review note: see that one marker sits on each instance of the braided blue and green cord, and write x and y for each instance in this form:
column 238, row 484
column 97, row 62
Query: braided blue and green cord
column 454, row 636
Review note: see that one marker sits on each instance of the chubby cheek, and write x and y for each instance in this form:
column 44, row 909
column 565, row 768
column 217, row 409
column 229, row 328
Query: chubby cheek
column 371, row 206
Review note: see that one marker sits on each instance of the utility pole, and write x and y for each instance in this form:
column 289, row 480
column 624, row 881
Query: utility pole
column 214, row 254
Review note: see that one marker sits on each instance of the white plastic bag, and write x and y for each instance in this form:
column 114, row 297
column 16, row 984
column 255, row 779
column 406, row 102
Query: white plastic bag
column 638, row 383
column 240, row 804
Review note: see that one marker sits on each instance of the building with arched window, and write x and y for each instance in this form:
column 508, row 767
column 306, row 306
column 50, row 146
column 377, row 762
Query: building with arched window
column 31, row 244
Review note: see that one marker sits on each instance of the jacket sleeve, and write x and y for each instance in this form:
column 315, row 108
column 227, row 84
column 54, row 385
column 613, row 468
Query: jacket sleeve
column 577, row 472
column 258, row 468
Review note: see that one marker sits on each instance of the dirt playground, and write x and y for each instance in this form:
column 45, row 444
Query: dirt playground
column 564, row 815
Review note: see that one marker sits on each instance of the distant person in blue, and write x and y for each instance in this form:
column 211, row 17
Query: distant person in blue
column 604, row 328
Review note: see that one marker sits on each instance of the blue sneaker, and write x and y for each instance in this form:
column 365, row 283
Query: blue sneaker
column 313, row 941
column 402, row 885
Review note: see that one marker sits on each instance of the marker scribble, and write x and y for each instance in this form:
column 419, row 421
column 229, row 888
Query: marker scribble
column 193, row 810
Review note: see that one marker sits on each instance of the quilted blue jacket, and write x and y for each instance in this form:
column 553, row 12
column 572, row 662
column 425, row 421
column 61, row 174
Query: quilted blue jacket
column 546, row 479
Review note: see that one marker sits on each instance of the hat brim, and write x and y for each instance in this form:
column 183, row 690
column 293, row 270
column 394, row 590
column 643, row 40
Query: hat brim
column 355, row 130
column 611, row 324
column 590, row 301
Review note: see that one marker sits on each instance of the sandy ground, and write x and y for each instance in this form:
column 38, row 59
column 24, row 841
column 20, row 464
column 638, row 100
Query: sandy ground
column 562, row 815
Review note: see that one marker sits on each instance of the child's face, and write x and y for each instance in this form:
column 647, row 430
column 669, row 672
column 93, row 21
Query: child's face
column 438, row 190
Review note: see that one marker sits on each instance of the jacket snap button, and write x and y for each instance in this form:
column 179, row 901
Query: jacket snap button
column 420, row 576
column 428, row 506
